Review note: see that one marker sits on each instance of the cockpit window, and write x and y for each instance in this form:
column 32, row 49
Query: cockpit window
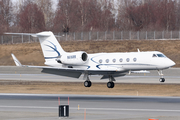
column 154, row 55
column 161, row 55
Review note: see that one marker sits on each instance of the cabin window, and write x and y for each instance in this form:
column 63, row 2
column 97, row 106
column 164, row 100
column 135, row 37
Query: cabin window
column 120, row 60
column 127, row 59
column 107, row 60
column 135, row 59
column 114, row 60
column 100, row 61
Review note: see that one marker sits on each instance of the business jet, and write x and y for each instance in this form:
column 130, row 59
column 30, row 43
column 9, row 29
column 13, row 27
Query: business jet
column 109, row 65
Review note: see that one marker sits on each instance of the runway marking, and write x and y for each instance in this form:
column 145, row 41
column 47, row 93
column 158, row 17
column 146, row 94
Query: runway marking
column 99, row 109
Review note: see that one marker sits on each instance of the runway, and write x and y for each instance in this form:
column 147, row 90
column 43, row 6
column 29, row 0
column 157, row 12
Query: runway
column 45, row 107
column 29, row 74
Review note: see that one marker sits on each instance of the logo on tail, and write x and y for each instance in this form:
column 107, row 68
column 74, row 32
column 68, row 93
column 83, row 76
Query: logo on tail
column 54, row 49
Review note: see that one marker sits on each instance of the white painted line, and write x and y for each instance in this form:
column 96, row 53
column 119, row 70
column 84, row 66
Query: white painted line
column 99, row 109
column 28, row 107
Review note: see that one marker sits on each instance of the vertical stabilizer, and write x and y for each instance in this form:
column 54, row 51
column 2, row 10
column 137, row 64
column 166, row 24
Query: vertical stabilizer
column 50, row 46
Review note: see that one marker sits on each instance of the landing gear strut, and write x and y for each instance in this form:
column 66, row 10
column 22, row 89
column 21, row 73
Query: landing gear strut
column 87, row 83
column 162, row 79
column 111, row 84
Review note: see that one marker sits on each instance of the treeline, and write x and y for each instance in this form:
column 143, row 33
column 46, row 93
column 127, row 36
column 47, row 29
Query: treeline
column 89, row 15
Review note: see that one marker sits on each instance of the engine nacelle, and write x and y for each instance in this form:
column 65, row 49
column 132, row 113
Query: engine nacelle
column 74, row 58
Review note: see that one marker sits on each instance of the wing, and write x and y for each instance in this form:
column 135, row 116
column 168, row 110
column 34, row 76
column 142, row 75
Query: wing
column 71, row 72
column 77, row 72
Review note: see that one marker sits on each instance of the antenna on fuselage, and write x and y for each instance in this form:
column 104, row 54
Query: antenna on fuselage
column 138, row 50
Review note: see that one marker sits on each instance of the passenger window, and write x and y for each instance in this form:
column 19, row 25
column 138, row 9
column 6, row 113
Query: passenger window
column 100, row 61
column 127, row 59
column 135, row 59
column 154, row 55
column 107, row 60
column 114, row 60
column 120, row 60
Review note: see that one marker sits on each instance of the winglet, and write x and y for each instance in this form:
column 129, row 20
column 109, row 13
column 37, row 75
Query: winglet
column 16, row 60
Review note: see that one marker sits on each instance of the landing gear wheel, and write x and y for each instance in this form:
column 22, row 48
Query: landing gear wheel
column 110, row 84
column 90, row 83
column 162, row 79
column 87, row 83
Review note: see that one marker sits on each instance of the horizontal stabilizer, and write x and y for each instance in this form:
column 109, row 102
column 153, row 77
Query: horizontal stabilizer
column 42, row 34
column 16, row 60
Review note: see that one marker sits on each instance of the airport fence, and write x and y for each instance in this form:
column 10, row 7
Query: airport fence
column 107, row 35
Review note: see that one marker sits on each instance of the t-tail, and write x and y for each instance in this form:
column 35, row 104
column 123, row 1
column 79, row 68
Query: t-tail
column 50, row 46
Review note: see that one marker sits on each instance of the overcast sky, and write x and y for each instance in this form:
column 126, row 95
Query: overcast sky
column 54, row 1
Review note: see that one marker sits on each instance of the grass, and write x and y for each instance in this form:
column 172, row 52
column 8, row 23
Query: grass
column 96, row 89
column 31, row 53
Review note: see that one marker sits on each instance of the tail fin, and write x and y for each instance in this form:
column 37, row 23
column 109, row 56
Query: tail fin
column 50, row 46
column 16, row 60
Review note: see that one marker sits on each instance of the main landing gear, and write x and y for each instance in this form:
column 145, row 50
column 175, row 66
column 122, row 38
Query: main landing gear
column 111, row 84
column 161, row 79
column 88, row 83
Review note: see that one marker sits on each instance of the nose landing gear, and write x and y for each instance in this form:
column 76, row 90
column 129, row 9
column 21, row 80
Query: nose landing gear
column 162, row 79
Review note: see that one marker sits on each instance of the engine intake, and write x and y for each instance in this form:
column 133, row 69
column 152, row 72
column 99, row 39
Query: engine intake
column 84, row 56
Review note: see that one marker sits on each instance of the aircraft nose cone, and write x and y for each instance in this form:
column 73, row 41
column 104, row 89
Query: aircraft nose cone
column 172, row 63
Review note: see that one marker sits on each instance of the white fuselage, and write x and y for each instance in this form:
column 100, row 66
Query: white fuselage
column 122, row 61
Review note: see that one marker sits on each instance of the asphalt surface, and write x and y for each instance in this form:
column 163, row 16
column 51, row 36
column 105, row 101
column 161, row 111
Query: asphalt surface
column 45, row 107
